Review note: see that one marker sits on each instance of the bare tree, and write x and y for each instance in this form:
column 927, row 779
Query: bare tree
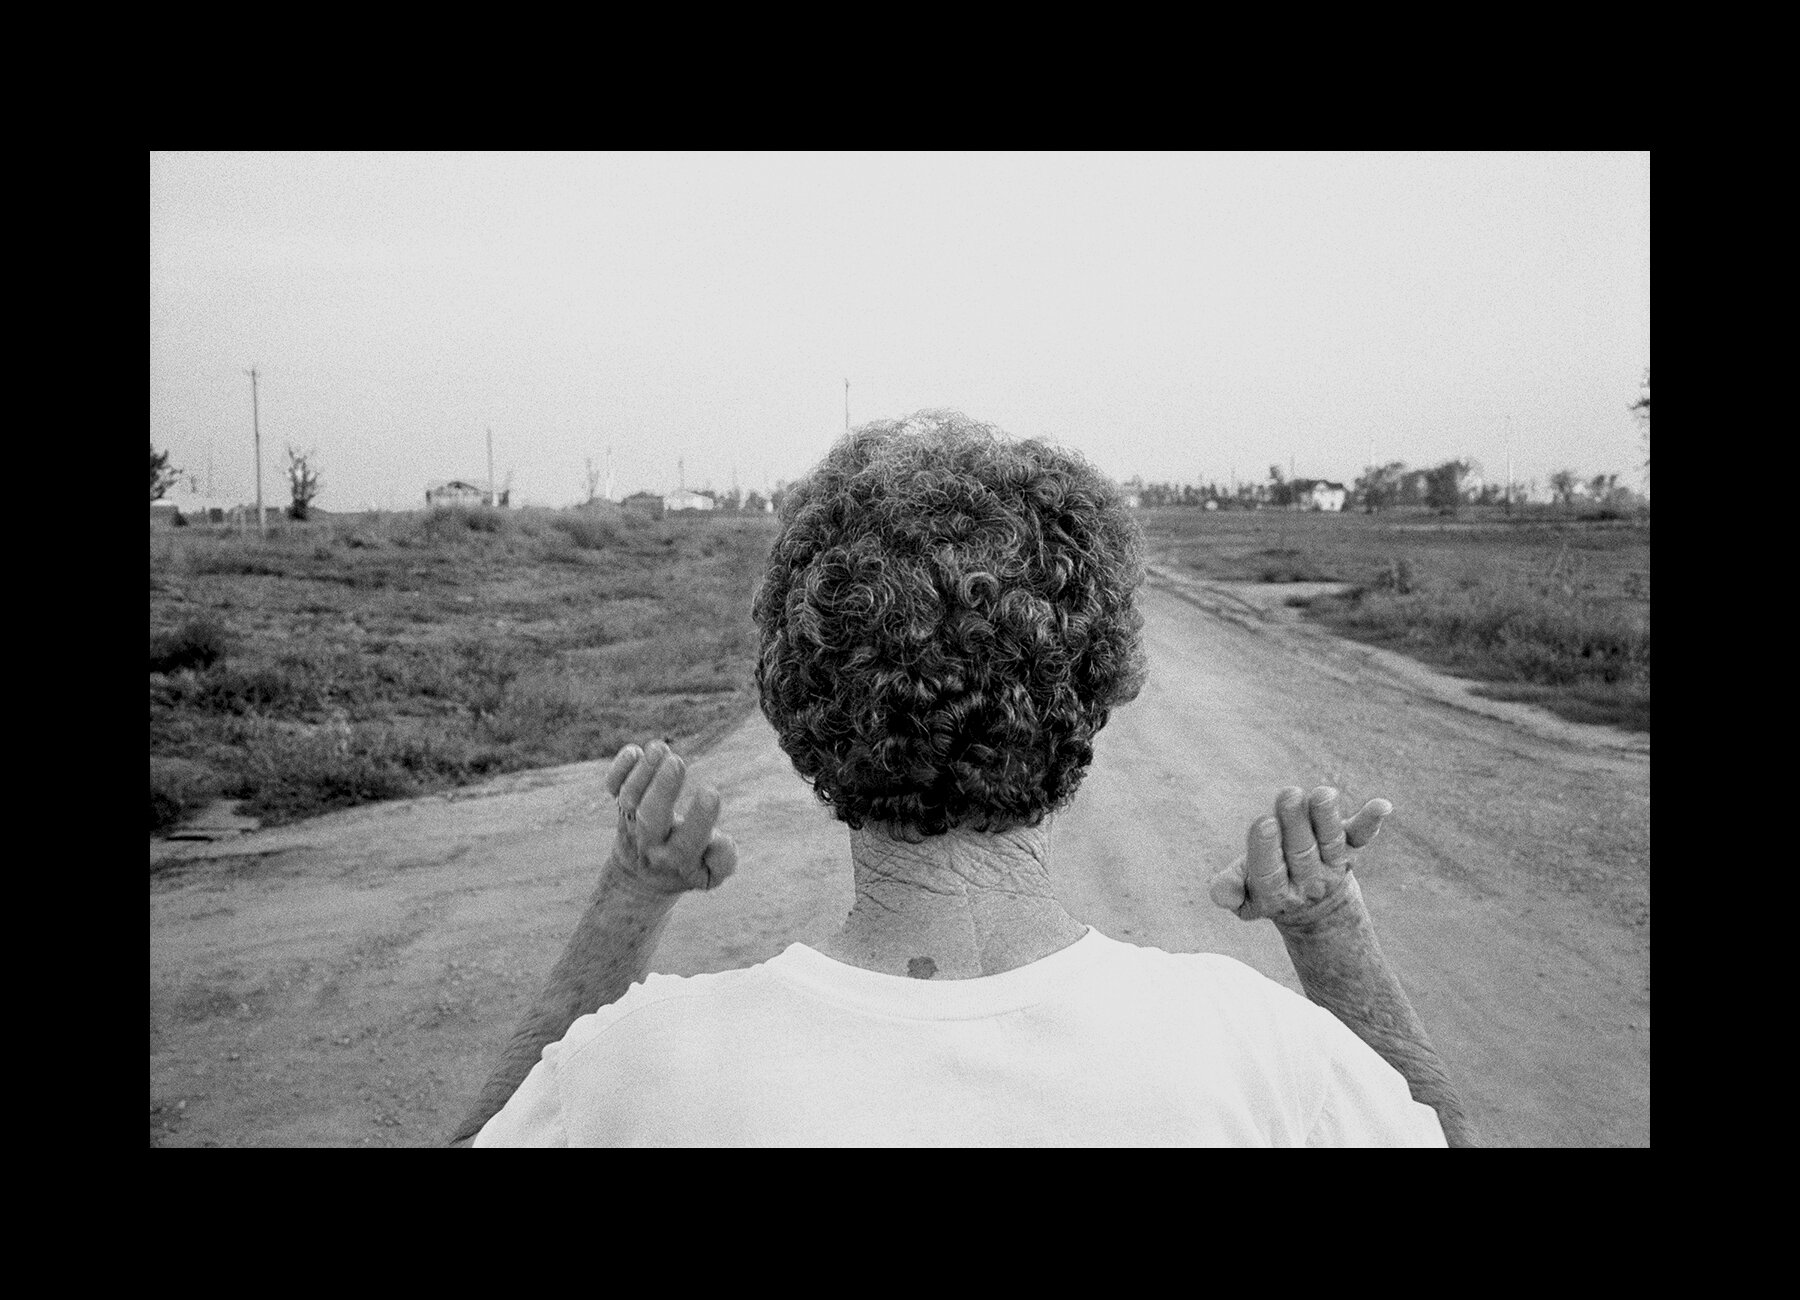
column 162, row 474
column 1641, row 409
column 303, row 481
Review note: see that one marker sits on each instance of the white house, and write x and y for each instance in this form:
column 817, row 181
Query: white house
column 688, row 499
column 1318, row 494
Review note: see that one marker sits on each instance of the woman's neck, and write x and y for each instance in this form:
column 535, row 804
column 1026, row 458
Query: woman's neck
column 953, row 906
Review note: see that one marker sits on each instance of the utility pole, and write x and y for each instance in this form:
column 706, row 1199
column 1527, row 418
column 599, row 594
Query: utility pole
column 846, row 406
column 262, row 522
column 609, row 476
column 490, row 433
column 1509, row 464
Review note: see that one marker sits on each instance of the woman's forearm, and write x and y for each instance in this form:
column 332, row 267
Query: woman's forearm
column 609, row 952
column 1342, row 968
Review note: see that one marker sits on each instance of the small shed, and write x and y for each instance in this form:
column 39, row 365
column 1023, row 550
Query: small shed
column 455, row 493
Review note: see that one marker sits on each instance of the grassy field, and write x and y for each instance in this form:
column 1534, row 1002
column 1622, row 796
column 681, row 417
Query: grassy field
column 1539, row 607
column 361, row 658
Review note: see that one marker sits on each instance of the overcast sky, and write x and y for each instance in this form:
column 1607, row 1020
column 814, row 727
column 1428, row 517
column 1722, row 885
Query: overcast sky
column 1176, row 316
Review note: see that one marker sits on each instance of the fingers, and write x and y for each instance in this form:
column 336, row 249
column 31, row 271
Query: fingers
column 1227, row 887
column 623, row 762
column 1298, row 856
column 631, row 792
column 1366, row 825
column 656, row 810
column 669, row 852
column 694, row 836
column 1297, row 843
column 712, row 853
column 721, row 858
column 1265, row 874
column 1328, row 827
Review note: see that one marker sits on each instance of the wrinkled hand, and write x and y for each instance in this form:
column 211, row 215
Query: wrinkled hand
column 653, row 847
column 1298, row 862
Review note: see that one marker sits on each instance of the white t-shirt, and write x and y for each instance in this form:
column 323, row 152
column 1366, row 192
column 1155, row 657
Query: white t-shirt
column 1101, row 1044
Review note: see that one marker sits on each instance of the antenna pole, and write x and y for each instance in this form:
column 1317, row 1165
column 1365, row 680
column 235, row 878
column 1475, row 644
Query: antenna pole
column 262, row 521
column 1509, row 464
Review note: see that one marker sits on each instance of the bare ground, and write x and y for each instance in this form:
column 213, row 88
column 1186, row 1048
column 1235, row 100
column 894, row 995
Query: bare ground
column 348, row 981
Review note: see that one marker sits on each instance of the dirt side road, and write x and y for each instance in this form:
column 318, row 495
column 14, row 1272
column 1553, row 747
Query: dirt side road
column 348, row 981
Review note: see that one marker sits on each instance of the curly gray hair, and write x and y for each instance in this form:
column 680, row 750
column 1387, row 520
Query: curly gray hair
column 946, row 622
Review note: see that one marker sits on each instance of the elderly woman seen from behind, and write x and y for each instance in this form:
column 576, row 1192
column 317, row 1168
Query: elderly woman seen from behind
column 946, row 623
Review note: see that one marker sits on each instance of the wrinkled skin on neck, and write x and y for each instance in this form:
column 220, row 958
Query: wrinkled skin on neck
column 954, row 906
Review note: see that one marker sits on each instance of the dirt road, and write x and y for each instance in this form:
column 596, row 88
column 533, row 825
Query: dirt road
column 348, row 981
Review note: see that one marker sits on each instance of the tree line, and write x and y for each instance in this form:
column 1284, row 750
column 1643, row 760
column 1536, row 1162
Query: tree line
column 1445, row 487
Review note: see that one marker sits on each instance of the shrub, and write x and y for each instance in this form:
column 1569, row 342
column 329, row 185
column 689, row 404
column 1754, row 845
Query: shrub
column 196, row 644
column 287, row 687
column 294, row 771
column 589, row 530
column 177, row 788
column 457, row 523
column 1398, row 577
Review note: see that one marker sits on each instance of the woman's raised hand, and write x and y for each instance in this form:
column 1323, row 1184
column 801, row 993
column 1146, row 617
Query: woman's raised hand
column 655, row 848
column 1297, row 863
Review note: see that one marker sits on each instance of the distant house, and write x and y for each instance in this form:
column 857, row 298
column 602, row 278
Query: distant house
column 688, row 499
column 1319, row 494
column 647, row 503
column 455, row 493
column 193, row 508
column 199, row 509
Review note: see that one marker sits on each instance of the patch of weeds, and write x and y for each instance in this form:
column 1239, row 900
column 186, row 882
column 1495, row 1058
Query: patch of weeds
column 1626, row 706
column 1287, row 566
column 287, row 688
column 475, row 656
column 1588, row 662
column 235, row 558
column 456, row 523
column 1398, row 576
column 588, row 530
column 178, row 789
column 196, row 644
column 299, row 773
